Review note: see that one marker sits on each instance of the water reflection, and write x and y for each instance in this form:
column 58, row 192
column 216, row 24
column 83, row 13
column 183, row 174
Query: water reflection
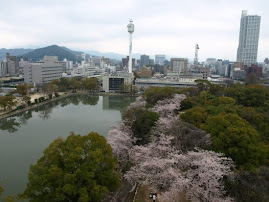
column 12, row 124
column 9, row 124
column 117, row 102
column 23, row 118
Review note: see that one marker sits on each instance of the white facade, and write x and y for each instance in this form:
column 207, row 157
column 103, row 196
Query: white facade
column 69, row 65
column 50, row 58
column 159, row 59
column 178, row 64
column 41, row 72
column 84, row 71
column 249, row 38
column 88, row 69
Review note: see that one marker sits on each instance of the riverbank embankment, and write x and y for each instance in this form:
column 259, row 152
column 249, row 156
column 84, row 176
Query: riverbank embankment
column 14, row 112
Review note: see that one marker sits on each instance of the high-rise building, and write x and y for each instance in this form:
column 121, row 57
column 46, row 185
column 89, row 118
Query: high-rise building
column 159, row 59
column 83, row 59
column 124, row 62
column 151, row 62
column 3, row 69
column 11, row 64
column 248, row 39
column 144, row 60
column 178, row 64
column 133, row 62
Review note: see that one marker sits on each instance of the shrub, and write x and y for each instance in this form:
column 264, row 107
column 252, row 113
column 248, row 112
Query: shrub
column 143, row 124
column 41, row 99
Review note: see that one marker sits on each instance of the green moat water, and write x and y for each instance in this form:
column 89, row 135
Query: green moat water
column 24, row 137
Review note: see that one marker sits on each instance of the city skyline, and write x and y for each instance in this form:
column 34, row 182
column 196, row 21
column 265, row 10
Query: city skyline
column 171, row 28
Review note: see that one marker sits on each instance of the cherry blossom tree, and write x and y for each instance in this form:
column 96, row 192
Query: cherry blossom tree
column 139, row 102
column 199, row 173
column 186, row 136
column 167, row 107
column 173, row 161
column 121, row 141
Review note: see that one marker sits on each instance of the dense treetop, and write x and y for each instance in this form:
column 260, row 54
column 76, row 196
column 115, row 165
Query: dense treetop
column 237, row 119
column 80, row 168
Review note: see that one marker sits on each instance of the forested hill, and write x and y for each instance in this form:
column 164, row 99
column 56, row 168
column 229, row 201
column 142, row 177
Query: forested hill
column 15, row 52
column 53, row 50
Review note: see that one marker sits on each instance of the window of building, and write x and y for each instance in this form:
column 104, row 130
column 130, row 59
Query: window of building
column 115, row 83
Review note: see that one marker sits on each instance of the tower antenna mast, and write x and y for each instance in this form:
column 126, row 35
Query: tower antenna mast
column 196, row 56
column 130, row 27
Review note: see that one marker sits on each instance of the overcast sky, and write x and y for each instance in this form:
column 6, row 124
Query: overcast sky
column 170, row 27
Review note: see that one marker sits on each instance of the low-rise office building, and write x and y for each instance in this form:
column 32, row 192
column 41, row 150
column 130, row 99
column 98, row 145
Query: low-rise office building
column 114, row 82
column 205, row 71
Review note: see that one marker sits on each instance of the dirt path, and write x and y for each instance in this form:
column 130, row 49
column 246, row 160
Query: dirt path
column 142, row 194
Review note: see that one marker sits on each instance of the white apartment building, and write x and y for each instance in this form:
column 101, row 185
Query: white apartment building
column 248, row 39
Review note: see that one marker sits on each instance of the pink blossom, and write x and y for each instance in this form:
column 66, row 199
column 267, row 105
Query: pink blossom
column 139, row 102
column 119, row 137
column 196, row 175
column 167, row 107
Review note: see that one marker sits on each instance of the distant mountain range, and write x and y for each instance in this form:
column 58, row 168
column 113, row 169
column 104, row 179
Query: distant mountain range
column 61, row 52
column 15, row 52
